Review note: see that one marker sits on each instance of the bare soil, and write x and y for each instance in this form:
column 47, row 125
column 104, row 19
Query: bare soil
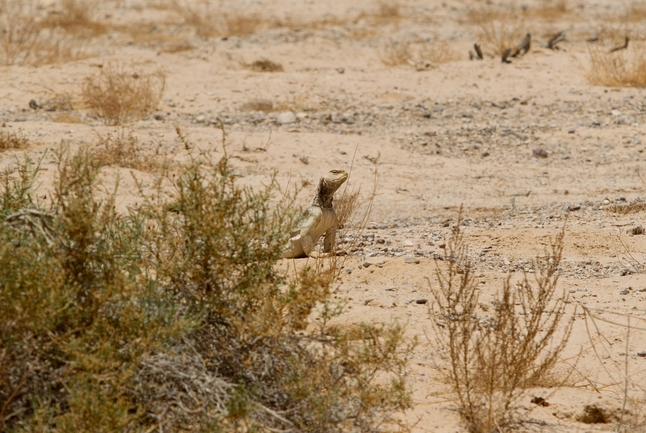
column 525, row 148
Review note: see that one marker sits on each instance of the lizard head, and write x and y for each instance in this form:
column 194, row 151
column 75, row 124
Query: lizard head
column 328, row 185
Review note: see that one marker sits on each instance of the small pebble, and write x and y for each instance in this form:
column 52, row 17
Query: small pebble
column 286, row 117
column 411, row 260
column 624, row 292
column 421, row 301
column 642, row 353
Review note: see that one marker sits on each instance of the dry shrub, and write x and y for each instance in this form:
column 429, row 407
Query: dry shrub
column 416, row 53
column 492, row 360
column 209, row 23
column 623, row 209
column 66, row 118
column 396, row 53
column 26, row 39
column 387, row 11
column 177, row 47
column 497, row 30
column 264, row 65
column 345, row 206
column 437, row 52
column 119, row 96
column 13, row 141
column 551, row 9
column 623, row 68
column 75, row 16
column 20, row 31
column 605, row 330
column 258, row 105
column 123, row 149
column 176, row 316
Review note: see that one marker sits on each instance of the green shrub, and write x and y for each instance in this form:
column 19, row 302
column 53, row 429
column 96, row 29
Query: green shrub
column 176, row 315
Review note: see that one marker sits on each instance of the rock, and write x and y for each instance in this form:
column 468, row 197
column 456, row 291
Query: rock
column 201, row 118
column 540, row 153
column 408, row 243
column 642, row 353
column 624, row 292
column 421, row 301
column 411, row 260
column 285, row 118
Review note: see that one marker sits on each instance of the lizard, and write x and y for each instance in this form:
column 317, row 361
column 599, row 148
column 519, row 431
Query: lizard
column 318, row 218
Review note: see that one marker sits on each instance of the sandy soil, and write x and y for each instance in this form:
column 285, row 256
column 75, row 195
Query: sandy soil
column 524, row 147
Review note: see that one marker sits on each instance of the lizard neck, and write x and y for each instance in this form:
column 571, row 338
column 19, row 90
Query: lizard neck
column 324, row 195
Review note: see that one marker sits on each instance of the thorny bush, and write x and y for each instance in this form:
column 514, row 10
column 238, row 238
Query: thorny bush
column 175, row 314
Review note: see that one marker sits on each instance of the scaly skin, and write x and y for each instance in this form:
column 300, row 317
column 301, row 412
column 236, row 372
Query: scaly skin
column 319, row 218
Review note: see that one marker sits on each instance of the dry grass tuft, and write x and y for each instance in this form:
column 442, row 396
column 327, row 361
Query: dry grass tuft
column 13, row 141
column 118, row 96
column 208, row 22
column 492, row 359
column 497, row 30
column 417, row 53
column 623, row 209
column 264, row 65
column 26, row 39
column 396, row 53
column 124, row 150
column 66, row 118
column 623, row 68
column 259, row 105
column 75, row 16
column 387, row 11
column 345, row 206
column 551, row 9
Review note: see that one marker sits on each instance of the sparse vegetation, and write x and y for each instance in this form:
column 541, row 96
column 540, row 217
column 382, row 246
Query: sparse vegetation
column 414, row 53
column 176, row 315
column 119, row 96
column 622, row 68
column 124, row 150
column 264, row 65
column 491, row 359
column 497, row 30
column 27, row 38
column 12, row 140
column 209, row 23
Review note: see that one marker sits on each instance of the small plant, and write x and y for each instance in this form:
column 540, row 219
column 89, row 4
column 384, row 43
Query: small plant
column 209, row 23
column 12, row 140
column 20, row 31
column 622, row 68
column 118, row 96
column 491, row 360
column 416, row 53
column 497, row 30
column 124, row 150
column 75, row 16
column 265, row 65
column 396, row 53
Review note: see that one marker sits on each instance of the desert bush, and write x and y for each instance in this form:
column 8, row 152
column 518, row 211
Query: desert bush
column 622, row 68
column 497, row 30
column 12, row 141
column 175, row 315
column 20, row 31
column 118, row 96
column 416, row 53
column 27, row 38
column 75, row 16
column 491, row 360
column 123, row 149
column 209, row 23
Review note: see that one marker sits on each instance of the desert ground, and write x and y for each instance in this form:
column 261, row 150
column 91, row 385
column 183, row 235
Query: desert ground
column 387, row 91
